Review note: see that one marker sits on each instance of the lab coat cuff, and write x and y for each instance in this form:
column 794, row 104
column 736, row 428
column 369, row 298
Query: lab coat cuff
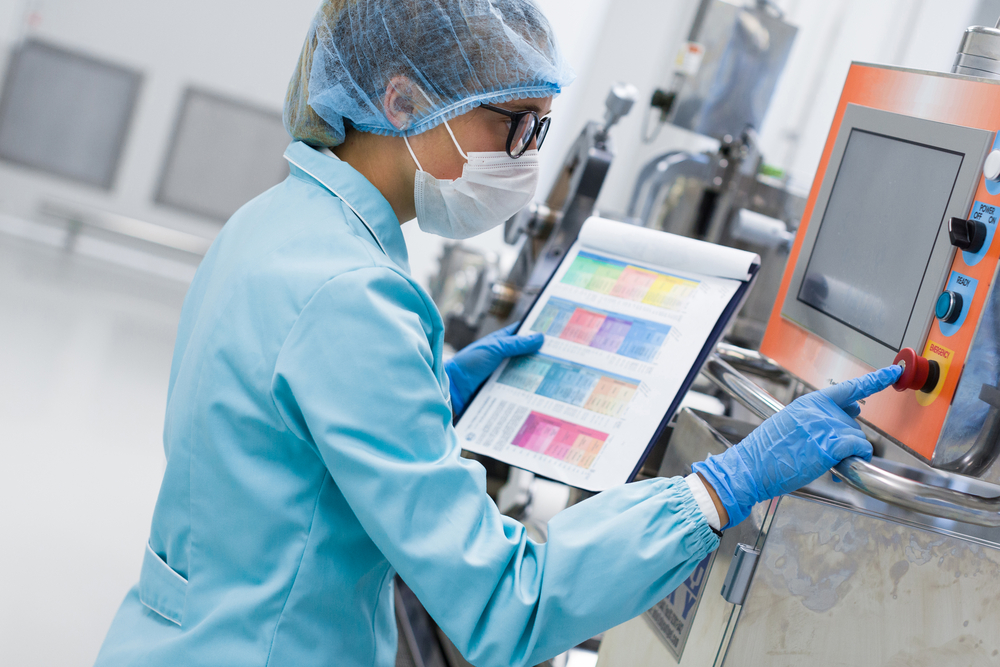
column 704, row 500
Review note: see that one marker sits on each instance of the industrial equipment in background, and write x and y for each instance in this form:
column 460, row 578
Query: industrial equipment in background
column 726, row 76
column 725, row 196
column 722, row 88
column 896, row 261
column 727, row 70
column 979, row 52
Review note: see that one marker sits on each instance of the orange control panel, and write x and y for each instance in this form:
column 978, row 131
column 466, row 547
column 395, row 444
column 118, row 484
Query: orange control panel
column 915, row 413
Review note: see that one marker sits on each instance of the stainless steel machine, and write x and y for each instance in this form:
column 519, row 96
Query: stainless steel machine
column 898, row 561
column 724, row 197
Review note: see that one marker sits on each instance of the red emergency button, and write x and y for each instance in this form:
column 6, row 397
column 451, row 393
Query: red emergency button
column 919, row 374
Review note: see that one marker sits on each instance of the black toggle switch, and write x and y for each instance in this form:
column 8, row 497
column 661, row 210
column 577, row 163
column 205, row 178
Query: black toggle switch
column 968, row 235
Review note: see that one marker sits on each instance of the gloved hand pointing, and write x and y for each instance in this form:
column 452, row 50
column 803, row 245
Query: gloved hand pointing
column 795, row 446
column 474, row 363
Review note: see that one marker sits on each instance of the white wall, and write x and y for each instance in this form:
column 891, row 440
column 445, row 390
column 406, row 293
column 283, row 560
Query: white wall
column 243, row 49
column 246, row 50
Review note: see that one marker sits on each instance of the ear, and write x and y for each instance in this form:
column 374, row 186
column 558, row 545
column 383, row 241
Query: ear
column 398, row 103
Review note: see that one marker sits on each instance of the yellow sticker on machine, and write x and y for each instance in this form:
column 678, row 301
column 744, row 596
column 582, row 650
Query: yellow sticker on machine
column 943, row 356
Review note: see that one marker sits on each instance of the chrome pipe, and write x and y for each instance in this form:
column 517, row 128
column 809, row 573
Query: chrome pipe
column 659, row 173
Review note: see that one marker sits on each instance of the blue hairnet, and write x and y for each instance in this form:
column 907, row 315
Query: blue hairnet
column 455, row 54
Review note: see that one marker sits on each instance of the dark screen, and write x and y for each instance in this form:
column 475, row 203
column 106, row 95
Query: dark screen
column 878, row 232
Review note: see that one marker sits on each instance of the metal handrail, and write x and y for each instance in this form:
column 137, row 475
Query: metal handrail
column 902, row 490
column 739, row 387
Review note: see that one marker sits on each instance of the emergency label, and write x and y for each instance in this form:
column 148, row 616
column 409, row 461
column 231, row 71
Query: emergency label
column 944, row 357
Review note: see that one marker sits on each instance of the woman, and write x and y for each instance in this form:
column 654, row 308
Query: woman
column 309, row 441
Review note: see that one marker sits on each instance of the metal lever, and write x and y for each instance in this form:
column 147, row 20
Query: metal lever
column 902, row 490
column 751, row 361
column 621, row 98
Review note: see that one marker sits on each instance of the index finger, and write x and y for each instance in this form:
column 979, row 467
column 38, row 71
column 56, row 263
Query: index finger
column 848, row 392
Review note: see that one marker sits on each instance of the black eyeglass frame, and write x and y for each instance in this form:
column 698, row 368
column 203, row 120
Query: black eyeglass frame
column 538, row 134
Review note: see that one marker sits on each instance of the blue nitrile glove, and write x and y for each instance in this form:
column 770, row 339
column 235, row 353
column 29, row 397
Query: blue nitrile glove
column 469, row 368
column 795, row 446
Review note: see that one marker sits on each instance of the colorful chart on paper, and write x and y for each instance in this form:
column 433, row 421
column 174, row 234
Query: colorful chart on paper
column 587, row 388
column 559, row 439
column 611, row 332
column 626, row 281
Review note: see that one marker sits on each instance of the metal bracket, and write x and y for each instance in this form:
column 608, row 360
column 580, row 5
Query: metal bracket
column 990, row 395
column 741, row 570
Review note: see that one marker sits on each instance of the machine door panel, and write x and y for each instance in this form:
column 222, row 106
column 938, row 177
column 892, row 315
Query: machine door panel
column 834, row 587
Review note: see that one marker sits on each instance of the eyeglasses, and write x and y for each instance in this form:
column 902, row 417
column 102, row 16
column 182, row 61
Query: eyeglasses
column 524, row 126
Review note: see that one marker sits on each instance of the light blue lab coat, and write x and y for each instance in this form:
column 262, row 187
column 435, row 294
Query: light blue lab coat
column 311, row 456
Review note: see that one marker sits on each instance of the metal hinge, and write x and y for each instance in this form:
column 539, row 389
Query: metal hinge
column 741, row 569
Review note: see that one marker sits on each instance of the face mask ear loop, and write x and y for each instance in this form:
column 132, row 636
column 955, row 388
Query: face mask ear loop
column 455, row 141
column 412, row 155
column 447, row 127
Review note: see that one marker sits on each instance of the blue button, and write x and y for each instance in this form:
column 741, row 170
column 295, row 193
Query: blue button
column 959, row 294
column 949, row 307
column 943, row 306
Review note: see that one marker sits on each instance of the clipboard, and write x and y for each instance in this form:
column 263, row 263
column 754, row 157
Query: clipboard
column 629, row 317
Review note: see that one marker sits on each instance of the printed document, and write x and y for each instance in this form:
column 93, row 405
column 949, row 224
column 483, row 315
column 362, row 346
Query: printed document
column 625, row 318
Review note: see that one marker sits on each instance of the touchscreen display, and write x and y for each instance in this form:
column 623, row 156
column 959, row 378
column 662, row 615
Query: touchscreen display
column 877, row 234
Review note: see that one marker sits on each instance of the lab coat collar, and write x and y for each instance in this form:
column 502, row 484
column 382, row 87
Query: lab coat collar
column 358, row 193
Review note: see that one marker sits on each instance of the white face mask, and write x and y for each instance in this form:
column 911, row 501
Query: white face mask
column 492, row 188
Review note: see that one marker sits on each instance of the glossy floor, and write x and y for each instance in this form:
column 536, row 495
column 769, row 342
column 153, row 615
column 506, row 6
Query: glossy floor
column 85, row 351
